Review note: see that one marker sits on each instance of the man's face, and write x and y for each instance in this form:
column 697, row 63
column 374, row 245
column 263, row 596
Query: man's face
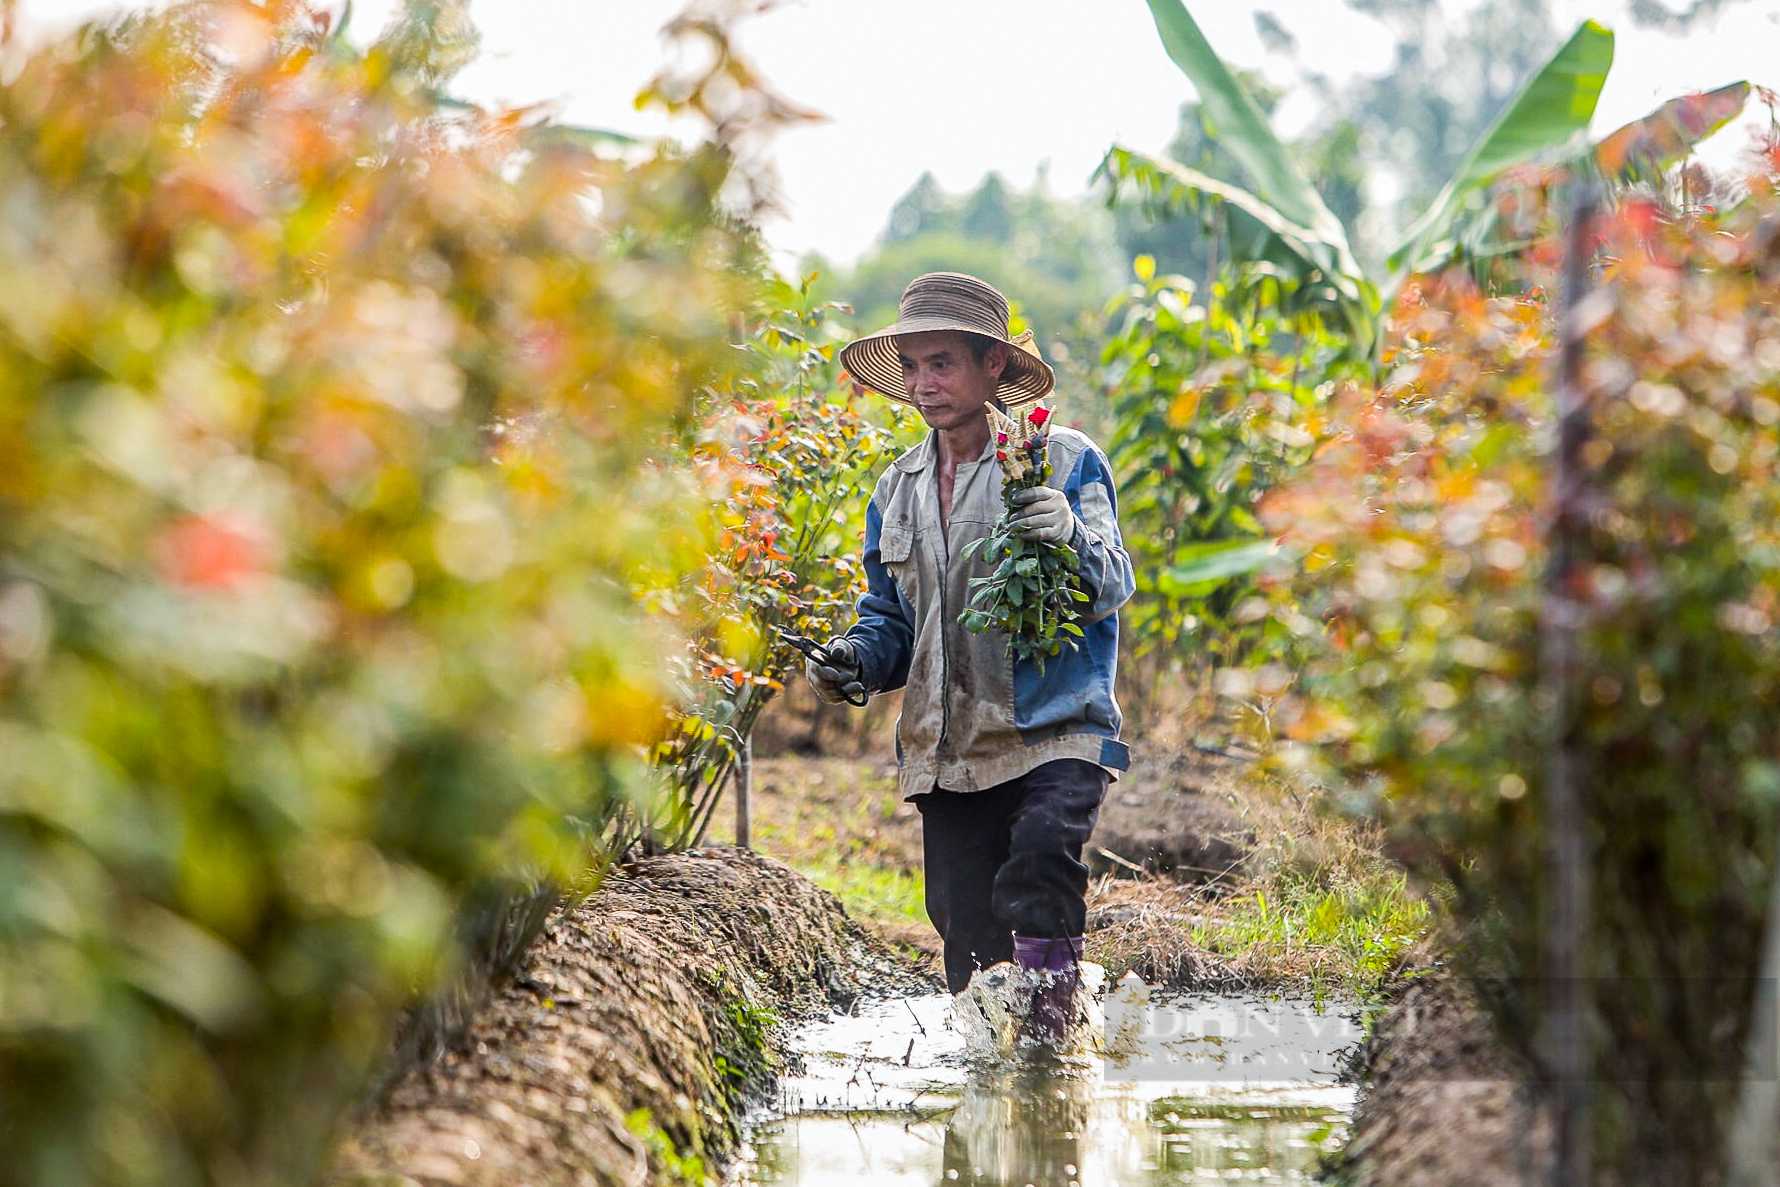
column 943, row 378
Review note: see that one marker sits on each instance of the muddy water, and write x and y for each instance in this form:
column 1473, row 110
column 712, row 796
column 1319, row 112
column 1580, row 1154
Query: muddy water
column 1191, row 1089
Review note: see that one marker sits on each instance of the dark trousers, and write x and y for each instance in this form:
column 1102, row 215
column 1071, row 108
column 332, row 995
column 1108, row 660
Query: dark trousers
column 1008, row 859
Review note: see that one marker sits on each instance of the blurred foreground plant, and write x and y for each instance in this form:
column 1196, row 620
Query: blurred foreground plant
column 1420, row 531
column 325, row 414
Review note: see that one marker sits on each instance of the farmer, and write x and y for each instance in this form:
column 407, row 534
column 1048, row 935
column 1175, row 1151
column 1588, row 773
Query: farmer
column 1007, row 766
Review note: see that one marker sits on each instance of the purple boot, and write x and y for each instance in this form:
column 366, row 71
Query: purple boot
column 1057, row 963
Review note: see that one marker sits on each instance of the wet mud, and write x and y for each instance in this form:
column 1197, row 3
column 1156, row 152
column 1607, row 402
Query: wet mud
column 650, row 1019
column 1441, row 1103
column 634, row 1034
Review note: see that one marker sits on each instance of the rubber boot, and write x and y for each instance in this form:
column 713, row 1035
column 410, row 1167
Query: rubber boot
column 1057, row 963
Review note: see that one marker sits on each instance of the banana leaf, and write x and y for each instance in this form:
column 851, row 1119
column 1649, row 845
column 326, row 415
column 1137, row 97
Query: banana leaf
column 1550, row 112
column 1644, row 148
column 1237, row 122
column 1641, row 151
column 1257, row 234
column 1205, row 566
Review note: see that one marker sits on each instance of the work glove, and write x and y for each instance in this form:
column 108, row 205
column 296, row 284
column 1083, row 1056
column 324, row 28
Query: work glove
column 1043, row 514
column 839, row 679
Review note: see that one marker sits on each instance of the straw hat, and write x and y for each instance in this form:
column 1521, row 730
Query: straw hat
column 950, row 301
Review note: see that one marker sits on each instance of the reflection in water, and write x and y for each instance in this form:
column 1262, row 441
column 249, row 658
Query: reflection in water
column 895, row 1097
column 1024, row 1125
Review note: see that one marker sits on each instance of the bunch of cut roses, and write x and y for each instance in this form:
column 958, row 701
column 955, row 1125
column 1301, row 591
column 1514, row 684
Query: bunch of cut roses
column 1032, row 593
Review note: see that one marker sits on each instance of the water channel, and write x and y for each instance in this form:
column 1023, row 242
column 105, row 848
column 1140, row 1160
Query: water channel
column 1179, row 1089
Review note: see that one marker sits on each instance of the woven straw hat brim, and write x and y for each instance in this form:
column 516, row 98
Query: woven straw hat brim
column 874, row 362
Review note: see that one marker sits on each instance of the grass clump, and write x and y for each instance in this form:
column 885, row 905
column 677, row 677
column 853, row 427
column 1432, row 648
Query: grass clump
column 1345, row 938
column 878, row 894
column 1315, row 907
column 1323, row 906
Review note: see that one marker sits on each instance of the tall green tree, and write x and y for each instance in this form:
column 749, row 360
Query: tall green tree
column 923, row 208
column 1056, row 258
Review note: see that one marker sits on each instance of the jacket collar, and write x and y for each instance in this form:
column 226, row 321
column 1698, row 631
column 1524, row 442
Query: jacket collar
column 920, row 457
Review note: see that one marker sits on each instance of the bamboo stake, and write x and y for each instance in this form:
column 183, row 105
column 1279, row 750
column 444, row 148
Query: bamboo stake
column 1564, row 1018
column 744, row 786
column 1751, row 1161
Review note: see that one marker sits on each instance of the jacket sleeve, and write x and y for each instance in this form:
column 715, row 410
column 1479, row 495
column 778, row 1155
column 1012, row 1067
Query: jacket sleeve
column 885, row 632
column 1106, row 566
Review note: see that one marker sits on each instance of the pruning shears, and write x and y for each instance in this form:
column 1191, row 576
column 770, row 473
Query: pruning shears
column 819, row 653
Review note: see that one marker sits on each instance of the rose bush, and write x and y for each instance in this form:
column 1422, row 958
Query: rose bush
column 784, row 450
column 327, row 417
column 1419, row 534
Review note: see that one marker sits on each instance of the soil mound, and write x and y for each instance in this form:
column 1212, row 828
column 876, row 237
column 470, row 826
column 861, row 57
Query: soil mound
column 1174, row 815
column 635, row 1030
column 1443, row 1104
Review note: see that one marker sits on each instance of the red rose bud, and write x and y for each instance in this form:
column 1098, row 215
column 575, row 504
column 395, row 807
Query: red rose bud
column 1039, row 416
column 1001, row 455
column 1001, row 438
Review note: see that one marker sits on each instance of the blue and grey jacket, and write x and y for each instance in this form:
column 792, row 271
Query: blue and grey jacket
column 973, row 717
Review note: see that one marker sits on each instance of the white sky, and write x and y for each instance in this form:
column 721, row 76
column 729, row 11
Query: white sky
column 960, row 87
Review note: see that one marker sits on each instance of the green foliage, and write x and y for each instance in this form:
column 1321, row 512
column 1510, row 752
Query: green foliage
column 782, row 448
column 1214, row 403
column 1055, row 258
column 1451, row 73
column 664, row 1157
column 1171, row 226
column 325, row 423
column 752, row 1024
column 1252, row 241
column 1282, row 226
column 1031, row 594
column 1282, row 230
column 1420, row 531
column 743, row 1061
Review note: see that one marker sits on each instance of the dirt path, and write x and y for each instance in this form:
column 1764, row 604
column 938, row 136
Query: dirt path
column 648, row 1015
column 1184, row 841
column 638, row 1025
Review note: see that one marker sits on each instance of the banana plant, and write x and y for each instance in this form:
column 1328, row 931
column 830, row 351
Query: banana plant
column 1548, row 116
column 1638, row 153
column 1283, row 226
column 1643, row 149
column 1282, row 230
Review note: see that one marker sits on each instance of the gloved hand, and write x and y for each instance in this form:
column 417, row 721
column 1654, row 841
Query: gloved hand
column 1043, row 514
column 837, row 680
